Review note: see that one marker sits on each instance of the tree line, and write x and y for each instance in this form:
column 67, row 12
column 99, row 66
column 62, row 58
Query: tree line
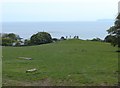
column 12, row 39
column 39, row 38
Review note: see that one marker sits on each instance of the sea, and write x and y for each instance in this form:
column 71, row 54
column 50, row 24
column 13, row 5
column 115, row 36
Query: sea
column 85, row 30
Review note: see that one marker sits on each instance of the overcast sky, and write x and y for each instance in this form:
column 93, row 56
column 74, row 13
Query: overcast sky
column 58, row 10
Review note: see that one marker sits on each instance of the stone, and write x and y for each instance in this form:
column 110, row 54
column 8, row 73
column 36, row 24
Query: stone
column 31, row 70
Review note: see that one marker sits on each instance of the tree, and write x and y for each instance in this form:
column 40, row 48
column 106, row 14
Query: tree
column 41, row 38
column 9, row 39
column 110, row 39
column 27, row 42
column 7, row 42
column 12, row 36
column 62, row 38
column 115, row 32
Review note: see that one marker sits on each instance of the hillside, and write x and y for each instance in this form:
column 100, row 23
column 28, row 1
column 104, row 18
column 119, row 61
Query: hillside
column 70, row 62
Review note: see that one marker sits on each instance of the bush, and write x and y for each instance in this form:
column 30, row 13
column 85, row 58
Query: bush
column 7, row 42
column 55, row 39
column 41, row 38
column 62, row 38
column 96, row 39
column 27, row 42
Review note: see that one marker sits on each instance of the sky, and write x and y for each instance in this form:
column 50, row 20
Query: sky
column 57, row 10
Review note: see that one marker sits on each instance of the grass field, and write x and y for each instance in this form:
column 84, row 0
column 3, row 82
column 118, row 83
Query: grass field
column 64, row 63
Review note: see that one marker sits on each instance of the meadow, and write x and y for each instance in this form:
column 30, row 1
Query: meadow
column 64, row 63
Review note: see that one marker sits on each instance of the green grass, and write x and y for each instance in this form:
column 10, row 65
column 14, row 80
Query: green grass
column 66, row 63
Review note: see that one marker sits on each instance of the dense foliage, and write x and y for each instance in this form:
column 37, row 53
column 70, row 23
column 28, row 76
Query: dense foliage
column 114, row 32
column 41, row 38
column 27, row 42
column 9, row 39
column 110, row 39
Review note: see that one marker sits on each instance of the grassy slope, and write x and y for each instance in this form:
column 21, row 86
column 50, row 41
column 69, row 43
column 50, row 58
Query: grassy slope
column 71, row 62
